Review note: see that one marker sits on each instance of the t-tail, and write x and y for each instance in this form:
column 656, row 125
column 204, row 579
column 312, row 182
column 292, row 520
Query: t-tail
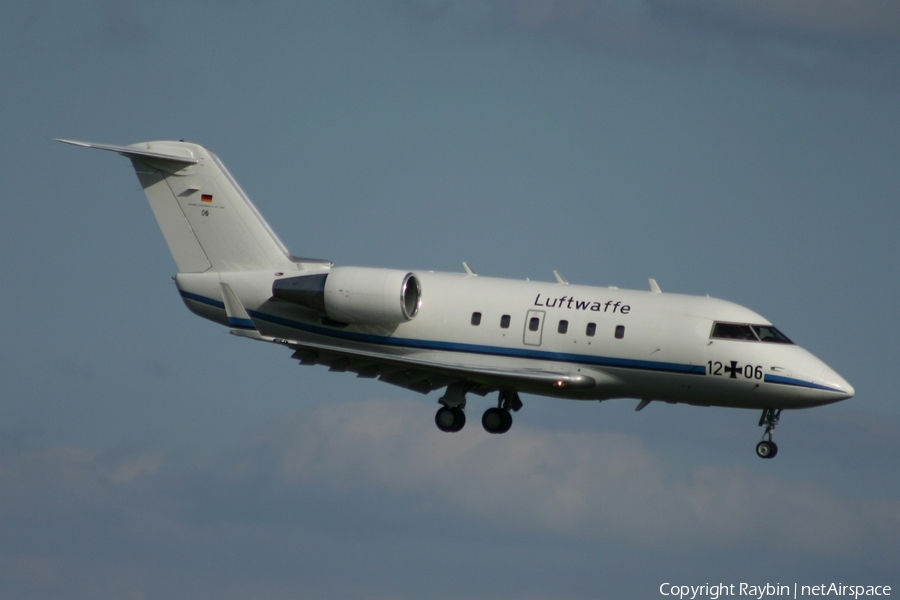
column 209, row 223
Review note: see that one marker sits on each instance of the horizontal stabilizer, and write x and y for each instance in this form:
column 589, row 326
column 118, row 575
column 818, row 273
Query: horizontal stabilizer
column 175, row 154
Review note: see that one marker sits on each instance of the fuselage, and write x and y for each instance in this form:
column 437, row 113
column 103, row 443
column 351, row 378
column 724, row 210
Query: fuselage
column 628, row 343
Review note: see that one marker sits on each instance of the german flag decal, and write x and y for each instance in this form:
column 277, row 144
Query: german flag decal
column 206, row 198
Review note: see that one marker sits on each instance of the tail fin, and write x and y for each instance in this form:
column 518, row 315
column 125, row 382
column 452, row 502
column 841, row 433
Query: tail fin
column 207, row 220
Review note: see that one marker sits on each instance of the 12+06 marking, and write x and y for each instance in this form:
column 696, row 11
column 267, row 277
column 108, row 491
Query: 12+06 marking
column 748, row 371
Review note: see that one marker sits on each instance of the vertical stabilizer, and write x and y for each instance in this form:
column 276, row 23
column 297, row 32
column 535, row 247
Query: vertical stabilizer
column 207, row 220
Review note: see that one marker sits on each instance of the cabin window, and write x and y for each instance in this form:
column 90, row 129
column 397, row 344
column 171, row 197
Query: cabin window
column 476, row 318
column 504, row 322
column 534, row 323
column 620, row 332
column 733, row 331
column 591, row 329
column 767, row 333
column 563, row 327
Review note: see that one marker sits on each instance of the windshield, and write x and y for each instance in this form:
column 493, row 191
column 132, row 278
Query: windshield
column 767, row 333
column 751, row 333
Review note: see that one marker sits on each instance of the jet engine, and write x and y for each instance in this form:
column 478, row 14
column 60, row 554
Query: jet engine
column 355, row 294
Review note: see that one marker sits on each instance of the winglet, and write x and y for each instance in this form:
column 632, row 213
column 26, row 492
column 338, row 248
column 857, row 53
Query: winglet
column 559, row 278
column 654, row 287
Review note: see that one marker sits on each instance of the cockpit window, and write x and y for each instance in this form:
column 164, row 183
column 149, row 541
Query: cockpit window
column 752, row 333
column 733, row 331
column 767, row 333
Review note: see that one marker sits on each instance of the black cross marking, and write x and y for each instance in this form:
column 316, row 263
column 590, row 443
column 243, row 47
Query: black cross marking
column 733, row 369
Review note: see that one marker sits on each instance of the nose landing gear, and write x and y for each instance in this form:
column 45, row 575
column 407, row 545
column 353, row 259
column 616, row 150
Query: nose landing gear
column 767, row 448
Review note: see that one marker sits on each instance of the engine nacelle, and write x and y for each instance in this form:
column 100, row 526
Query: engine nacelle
column 355, row 294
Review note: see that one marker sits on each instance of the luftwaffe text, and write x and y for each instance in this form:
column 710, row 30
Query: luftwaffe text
column 576, row 304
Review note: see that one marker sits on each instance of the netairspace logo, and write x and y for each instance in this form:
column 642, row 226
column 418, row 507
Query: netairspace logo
column 720, row 590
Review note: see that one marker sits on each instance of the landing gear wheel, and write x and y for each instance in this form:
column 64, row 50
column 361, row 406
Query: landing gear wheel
column 450, row 419
column 766, row 449
column 496, row 420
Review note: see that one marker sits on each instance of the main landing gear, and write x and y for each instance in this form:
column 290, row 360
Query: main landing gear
column 450, row 417
column 767, row 448
column 498, row 420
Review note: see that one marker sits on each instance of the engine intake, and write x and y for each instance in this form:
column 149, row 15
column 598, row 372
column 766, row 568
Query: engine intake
column 355, row 294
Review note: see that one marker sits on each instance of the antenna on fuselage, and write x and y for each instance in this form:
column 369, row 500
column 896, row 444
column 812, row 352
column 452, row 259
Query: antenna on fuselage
column 654, row 287
column 469, row 270
column 559, row 278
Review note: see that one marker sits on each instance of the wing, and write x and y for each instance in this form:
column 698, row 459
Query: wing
column 423, row 375
column 412, row 372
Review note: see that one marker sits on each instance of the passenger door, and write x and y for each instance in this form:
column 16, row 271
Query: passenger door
column 534, row 325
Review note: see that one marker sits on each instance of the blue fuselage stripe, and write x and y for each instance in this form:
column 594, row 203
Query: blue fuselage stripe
column 241, row 323
column 798, row 383
column 203, row 299
column 487, row 350
column 481, row 349
column 603, row 361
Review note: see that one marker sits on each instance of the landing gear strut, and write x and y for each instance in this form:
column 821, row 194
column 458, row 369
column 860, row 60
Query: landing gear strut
column 498, row 420
column 767, row 448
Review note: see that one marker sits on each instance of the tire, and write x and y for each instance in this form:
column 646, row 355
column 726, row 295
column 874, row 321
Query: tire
column 492, row 420
column 496, row 420
column 507, row 422
column 459, row 419
column 449, row 419
column 766, row 449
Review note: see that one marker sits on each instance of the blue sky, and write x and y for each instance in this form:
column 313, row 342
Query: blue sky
column 746, row 150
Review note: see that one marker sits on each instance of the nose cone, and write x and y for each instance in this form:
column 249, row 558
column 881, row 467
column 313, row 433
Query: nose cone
column 836, row 386
column 802, row 380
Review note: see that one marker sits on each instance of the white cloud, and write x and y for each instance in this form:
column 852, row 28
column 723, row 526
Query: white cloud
column 602, row 484
column 372, row 466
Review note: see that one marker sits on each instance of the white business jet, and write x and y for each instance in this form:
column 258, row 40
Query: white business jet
column 469, row 334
